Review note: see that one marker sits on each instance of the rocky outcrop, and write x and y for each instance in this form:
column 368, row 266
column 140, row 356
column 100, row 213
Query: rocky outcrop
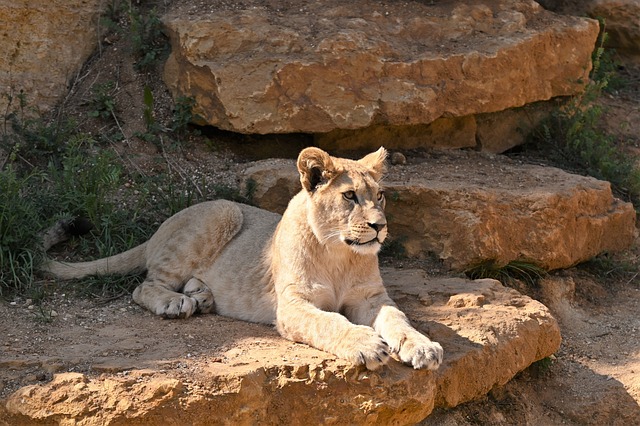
column 44, row 44
column 318, row 67
column 469, row 208
column 232, row 372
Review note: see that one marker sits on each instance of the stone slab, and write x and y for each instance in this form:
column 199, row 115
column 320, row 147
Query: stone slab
column 469, row 208
column 306, row 66
column 213, row 370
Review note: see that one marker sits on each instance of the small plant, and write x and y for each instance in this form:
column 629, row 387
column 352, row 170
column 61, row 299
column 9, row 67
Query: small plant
column 526, row 272
column 182, row 115
column 153, row 128
column 81, row 183
column 103, row 104
column 111, row 18
column 605, row 65
column 13, row 113
column 607, row 267
column 27, row 136
column 148, row 40
column 542, row 367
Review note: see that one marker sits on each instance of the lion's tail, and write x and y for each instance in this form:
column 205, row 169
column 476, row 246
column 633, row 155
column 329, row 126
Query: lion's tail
column 133, row 260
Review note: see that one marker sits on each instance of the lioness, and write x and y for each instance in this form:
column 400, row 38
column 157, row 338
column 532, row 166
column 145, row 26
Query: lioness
column 313, row 272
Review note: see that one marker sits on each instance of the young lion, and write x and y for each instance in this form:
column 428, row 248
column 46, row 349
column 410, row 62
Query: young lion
column 314, row 272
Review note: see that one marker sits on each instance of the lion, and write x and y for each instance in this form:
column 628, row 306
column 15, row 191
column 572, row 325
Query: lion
column 313, row 272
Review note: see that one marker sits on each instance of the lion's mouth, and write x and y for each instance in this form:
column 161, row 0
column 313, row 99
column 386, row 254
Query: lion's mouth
column 359, row 243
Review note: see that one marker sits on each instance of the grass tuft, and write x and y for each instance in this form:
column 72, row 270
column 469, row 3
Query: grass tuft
column 507, row 274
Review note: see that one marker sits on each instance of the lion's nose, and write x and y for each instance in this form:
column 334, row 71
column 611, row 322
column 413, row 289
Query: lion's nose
column 377, row 226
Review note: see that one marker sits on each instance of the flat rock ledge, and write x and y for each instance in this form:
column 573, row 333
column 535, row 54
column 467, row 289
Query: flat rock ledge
column 469, row 208
column 246, row 374
column 314, row 67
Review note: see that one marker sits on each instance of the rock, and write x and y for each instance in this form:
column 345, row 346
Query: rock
column 271, row 183
column 44, row 44
column 622, row 20
column 622, row 23
column 317, row 67
column 398, row 158
column 254, row 376
column 469, row 208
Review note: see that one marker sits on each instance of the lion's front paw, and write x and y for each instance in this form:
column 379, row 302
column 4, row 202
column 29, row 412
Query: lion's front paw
column 418, row 351
column 363, row 345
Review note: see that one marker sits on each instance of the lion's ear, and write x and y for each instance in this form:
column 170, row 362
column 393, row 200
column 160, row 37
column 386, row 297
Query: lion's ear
column 376, row 162
column 315, row 167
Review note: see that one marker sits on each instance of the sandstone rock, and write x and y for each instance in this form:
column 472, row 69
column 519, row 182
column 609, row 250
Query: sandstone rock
column 307, row 66
column 470, row 208
column 622, row 20
column 248, row 375
column 273, row 182
column 44, row 44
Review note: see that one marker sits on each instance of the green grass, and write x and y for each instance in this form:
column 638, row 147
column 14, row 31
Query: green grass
column 85, row 180
column 50, row 170
column 526, row 272
column 78, row 182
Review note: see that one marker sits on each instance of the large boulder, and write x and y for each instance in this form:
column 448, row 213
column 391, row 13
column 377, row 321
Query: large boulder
column 212, row 370
column 44, row 45
column 471, row 208
column 305, row 66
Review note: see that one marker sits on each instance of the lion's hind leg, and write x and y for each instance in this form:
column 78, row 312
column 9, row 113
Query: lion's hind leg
column 185, row 247
column 161, row 299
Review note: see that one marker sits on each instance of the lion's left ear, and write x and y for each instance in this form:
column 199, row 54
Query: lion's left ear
column 315, row 167
column 376, row 162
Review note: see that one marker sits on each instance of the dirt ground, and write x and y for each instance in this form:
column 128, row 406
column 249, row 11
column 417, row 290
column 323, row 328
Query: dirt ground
column 593, row 379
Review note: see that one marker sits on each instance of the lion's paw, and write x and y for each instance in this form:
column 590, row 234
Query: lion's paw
column 199, row 291
column 419, row 351
column 179, row 307
column 364, row 345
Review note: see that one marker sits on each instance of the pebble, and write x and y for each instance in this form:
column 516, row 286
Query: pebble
column 398, row 158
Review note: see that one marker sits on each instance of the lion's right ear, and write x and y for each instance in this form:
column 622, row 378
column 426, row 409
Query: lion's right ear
column 315, row 167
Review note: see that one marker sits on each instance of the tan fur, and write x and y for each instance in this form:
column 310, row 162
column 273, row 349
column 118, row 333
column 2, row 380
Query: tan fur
column 314, row 272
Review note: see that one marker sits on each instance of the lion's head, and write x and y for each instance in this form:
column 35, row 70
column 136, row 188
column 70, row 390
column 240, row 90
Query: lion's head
column 345, row 199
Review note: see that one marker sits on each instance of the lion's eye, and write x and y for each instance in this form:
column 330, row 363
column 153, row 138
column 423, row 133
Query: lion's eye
column 350, row 195
column 380, row 195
